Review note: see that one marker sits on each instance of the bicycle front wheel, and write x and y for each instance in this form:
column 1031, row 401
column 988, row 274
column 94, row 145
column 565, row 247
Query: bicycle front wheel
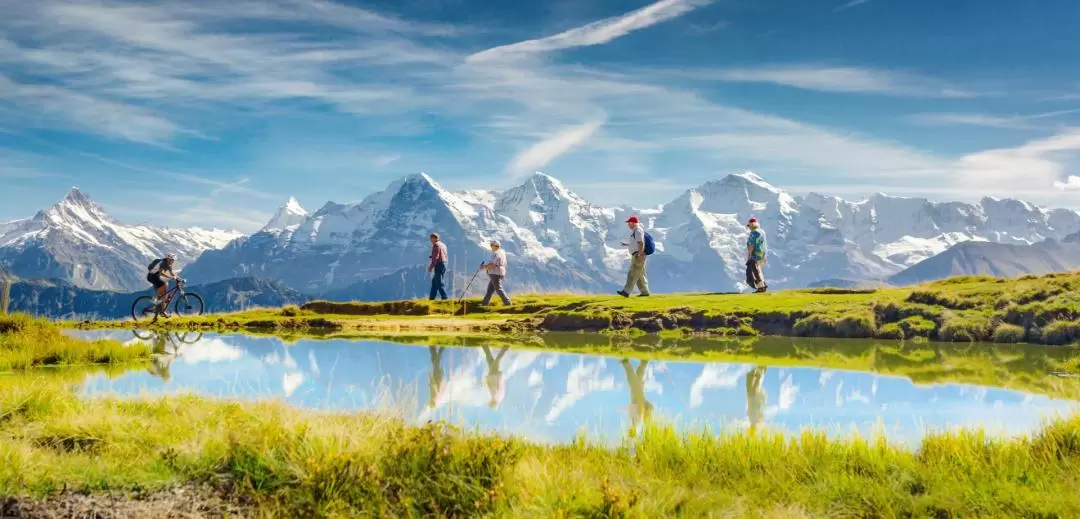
column 188, row 304
column 142, row 308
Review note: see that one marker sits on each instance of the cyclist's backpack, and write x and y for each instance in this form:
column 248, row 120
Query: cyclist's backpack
column 650, row 247
column 153, row 265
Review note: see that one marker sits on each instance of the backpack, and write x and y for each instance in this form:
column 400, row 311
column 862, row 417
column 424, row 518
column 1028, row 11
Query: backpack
column 153, row 264
column 650, row 247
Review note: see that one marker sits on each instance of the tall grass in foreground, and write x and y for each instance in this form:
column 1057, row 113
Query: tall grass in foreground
column 306, row 464
column 26, row 342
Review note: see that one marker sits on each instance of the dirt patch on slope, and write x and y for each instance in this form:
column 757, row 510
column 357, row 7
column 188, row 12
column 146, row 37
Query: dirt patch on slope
column 185, row 502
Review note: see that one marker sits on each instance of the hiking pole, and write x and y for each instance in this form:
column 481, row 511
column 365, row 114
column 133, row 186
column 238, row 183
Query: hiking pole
column 461, row 300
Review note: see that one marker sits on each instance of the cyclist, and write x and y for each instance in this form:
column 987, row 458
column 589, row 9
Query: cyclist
column 160, row 270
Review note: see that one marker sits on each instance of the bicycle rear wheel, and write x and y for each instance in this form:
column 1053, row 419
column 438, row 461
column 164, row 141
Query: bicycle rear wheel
column 188, row 304
column 142, row 308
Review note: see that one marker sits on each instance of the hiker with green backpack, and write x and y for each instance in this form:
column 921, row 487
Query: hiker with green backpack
column 640, row 246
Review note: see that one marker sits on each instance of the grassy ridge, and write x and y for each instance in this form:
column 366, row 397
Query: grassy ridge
column 280, row 460
column 27, row 343
column 1033, row 309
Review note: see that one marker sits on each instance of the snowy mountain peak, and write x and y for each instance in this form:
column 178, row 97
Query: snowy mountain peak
column 76, row 241
column 293, row 206
column 422, row 178
column 76, row 196
column 749, row 177
column 287, row 216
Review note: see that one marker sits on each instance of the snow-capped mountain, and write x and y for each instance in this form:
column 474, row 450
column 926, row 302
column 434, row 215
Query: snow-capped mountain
column 75, row 241
column 344, row 244
column 287, row 217
column 558, row 241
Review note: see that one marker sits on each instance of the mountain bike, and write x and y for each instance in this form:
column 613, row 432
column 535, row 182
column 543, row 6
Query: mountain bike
column 188, row 303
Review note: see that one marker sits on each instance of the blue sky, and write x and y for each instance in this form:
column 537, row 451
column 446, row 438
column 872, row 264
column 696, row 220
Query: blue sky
column 213, row 113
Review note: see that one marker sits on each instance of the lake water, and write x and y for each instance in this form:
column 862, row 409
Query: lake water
column 552, row 397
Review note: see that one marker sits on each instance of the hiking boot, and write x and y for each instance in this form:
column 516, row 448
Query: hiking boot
column 643, row 295
column 621, row 293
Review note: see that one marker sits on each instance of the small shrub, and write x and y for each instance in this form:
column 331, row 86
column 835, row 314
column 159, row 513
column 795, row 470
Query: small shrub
column 917, row 326
column 850, row 326
column 894, row 311
column 934, row 298
column 291, row 311
column 965, row 280
column 14, row 323
column 1061, row 332
column 890, row 331
column 965, row 329
column 1008, row 333
column 1032, row 295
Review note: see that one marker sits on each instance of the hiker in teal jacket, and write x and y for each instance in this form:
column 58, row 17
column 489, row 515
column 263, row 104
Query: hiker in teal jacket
column 755, row 256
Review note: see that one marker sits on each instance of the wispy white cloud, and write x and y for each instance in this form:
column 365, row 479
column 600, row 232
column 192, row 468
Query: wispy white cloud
column 385, row 160
column 1037, row 164
column 849, row 5
column 90, row 113
column 837, row 79
column 540, row 154
column 598, row 32
column 959, row 119
column 992, row 121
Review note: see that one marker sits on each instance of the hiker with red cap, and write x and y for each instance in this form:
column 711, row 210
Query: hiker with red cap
column 755, row 256
column 640, row 246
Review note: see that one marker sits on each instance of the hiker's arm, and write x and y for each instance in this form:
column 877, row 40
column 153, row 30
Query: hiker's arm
column 640, row 251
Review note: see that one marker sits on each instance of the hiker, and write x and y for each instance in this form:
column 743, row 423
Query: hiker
column 438, row 266
column 494, row 376
column 640, row 408
column 496, row 269
column 755, row 396
column 637, row 274
column 755, row 256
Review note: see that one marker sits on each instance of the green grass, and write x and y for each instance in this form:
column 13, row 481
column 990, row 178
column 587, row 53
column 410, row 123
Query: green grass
column 279, row 461
column 289, row 462
column 1046, row 309
column 26, row 343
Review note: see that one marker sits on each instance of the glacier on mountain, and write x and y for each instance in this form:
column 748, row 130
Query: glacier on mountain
column 77, row 242
column 558, row 241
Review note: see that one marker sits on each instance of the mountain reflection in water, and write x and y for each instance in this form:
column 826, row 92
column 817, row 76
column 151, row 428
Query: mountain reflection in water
column 552, row 397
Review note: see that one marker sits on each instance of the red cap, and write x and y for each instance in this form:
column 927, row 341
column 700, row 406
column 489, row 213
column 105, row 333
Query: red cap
column 752, row 220
column 632, row 219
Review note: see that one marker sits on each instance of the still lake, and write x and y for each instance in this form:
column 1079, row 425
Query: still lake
column 548, row 396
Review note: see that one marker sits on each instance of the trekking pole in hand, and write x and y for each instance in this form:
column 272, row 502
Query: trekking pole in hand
column 469, row 284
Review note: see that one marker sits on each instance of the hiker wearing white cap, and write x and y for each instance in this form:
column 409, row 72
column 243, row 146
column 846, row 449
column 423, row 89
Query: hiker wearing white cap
column 496, row 269
column 639, row 247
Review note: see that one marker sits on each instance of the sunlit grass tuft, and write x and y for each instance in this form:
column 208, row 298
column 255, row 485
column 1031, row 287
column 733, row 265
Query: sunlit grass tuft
column 26, row 342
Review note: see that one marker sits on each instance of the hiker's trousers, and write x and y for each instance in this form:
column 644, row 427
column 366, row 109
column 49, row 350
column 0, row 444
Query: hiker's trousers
column 495, row 287
column 755, row 277
column 638, row 276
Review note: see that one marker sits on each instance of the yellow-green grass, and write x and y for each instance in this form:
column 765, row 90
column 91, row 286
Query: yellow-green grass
column 285, row 462
column 1034, row 309
column 26, row 342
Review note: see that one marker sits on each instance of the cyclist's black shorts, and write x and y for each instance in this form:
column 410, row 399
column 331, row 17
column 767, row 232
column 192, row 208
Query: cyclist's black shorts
column 155, row 279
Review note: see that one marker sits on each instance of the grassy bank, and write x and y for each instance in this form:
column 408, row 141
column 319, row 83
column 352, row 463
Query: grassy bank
column 27, row 343
column 271, row 459
column 1032, row 309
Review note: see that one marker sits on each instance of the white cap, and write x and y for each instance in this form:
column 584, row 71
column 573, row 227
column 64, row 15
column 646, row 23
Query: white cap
column 496, row 242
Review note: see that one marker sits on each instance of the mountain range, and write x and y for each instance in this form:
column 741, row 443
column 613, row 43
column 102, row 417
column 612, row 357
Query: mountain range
column 995, row 259
column 77, row 242
column 556, row 240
